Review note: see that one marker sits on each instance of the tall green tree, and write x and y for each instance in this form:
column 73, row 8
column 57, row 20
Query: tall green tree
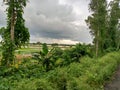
column 15, row 31
column 97, row 23
column 113, row 29
column 21, row 32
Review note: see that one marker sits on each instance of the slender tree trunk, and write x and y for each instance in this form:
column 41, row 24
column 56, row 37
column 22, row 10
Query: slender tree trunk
column 118, row 45
column 97, row 44
column 13, row 20
column 12, row 30
column 97, row 35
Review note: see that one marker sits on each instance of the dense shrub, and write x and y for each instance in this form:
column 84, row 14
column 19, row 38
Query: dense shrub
column 89, row 74
column 34, row 84
column 56, row 57
column 75, row 53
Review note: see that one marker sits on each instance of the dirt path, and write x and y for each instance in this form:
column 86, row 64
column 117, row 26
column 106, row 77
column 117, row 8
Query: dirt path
column 115, row 84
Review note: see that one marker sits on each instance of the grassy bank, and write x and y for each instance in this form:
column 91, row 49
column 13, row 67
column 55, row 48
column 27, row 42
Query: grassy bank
column 89, row 74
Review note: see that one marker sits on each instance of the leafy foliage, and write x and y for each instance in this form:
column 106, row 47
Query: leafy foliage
column 44, row 56
column 104, row 25
column 86, row 75
column 15, row 28
column 113, row 22
column 97, row 22
column 57, row 57
column 75, row 53
column 8, row 49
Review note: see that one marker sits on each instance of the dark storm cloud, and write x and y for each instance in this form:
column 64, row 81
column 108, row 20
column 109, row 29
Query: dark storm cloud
column 49, row 19
column 52, row 28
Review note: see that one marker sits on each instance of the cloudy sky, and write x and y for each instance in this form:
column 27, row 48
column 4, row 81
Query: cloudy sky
column 55, row 21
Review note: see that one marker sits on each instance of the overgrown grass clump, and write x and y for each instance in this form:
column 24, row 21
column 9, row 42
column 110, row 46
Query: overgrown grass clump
column 89, row 74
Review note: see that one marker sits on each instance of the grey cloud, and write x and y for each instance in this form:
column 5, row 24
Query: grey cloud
column 56, row 29
column 83, row 35
column 52, row 9
column 51, row 28
column 49, row 20
column 2, row 17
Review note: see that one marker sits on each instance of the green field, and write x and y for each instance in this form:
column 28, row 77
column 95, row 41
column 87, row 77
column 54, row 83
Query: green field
column 36, row 48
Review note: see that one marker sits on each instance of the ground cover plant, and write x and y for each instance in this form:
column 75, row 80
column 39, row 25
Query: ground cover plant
column 89, row 74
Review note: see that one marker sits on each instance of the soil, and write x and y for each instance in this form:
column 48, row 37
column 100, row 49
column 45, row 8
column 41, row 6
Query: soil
column 115, row 83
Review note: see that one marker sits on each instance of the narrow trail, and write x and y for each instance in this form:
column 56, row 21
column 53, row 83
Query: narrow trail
column 115, row 83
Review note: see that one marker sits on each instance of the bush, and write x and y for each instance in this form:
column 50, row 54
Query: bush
column 89, row 74
column 57, row 57
column 34, row 84
column 74, row 54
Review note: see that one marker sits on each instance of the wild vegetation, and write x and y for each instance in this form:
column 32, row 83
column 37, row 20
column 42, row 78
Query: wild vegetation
column 88, row 74
column 104, row 24
column 78, row 67
column 15, row 33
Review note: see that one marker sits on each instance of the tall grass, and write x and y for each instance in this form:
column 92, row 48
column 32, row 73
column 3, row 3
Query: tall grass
column 89, row 74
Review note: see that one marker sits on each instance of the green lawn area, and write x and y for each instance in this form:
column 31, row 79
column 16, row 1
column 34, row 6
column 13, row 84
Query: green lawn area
column 27, row 50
